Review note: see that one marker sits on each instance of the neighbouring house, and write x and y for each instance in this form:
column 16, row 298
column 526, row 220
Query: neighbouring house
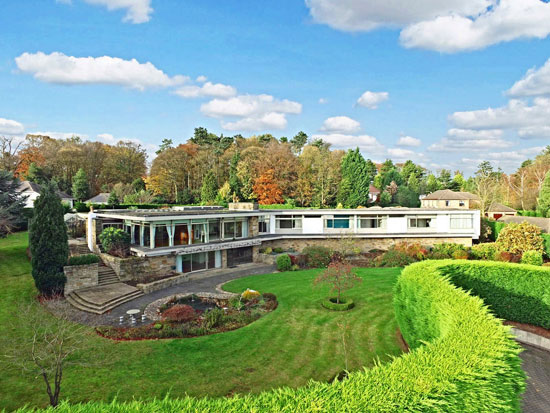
column 445, row 198
column 32, row 191
column 101, row 198
column 374, row 194
column 542, row 223
column 191, row 239
column 497, row 211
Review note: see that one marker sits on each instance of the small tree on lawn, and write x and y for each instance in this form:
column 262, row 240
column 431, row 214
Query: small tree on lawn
column 11, row 203
column 48, row 242
column 45, row 345
column 543, row 203
column 340, row 277
column 81, row 187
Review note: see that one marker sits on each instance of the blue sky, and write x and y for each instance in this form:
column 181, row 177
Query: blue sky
column 450, row 84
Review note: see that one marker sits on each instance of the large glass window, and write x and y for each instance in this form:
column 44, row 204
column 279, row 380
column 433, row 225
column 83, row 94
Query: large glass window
column 235, row 229
column 161, row 236
column 137, row 237
column 146, row 235
column 338, row 222
column 199, row 234
column 186, row 263
column 288, row 221
column 198, row 261
column 181, row 235
column 372, row 222
column 421, row 222
column 214, row 230
column 229, row 229
column 263, row 225
column 461, row 222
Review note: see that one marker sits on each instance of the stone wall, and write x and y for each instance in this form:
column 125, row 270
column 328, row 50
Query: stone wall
column 80, row 276
column 366, row 244
column 137, row 268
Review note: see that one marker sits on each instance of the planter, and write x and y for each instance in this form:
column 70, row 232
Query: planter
column 344, row 305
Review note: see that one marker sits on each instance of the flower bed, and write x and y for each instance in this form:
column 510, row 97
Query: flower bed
column 193, row 315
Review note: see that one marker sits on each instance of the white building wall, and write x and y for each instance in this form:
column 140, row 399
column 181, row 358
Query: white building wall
column 397, row 225
column 312, row 225
column 442, row 223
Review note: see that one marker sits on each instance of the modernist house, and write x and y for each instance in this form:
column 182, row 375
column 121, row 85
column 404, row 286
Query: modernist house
column 445, row 198
column 32, row 191
column 188, row 239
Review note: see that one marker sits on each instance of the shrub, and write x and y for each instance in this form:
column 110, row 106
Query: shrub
column 115, row 241
column 513, row 292
column 460, row 255
column 505, row 256
column 485, row 251
column 414, row 250
column 394, row 258
column 294, row 268
column 317, row 257
column 249, row 295
column 180, row 313
column 83, row 259
column 284, row 263
column 278, row 250
column 268, row 250
column 532, row 258
column 344, row 304
column 446, row 250
column 214, row 318
column 518, row 238
column 546, row 238
column 299, row 260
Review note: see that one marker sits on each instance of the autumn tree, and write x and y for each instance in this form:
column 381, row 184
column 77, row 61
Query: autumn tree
column 125, row 162
column 340, row 277
column 267, row 190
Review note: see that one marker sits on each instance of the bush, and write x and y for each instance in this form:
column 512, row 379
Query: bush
column 394, row 258
column 214, row 318
column 532, row 258
column 283, row 262
column 460, row 255
column 115, row 241
column 317, row 257
column 83, row 259
column 485, row 251
column 414, row 250
column 495, row 226
column 50, row 284
column 180, row 313
column 344, row 305
column 298, row 260
column 446, row 250
column 249, row 295
column 518, row 238
column 278, row 250
column 546, row 238
column 294, row 268
column 505, row 256
column 268, row 250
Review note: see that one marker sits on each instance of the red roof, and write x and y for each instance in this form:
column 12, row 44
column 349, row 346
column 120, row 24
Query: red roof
column 373, row 190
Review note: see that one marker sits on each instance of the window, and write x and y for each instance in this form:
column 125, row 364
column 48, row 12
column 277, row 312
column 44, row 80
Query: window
column 181, row 235
column 263, row 225
column 199, row 261
column 420, row 222
column 461, row 203
column 235, row 229
column 229, row 229
column 372, row 222
column 214, row 230
column 462, row 222
column 161, row 236
column 198, row 235
column 137, row 237
column 288, row 221
column 447, row 203
column 338, row 222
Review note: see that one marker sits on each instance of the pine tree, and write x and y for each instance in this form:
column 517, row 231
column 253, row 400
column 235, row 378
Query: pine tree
column 354, row 170
column 48, row 242
column 432, row 184
column 543, row 203
column 11, row 203
column 385, row 199
column 234, row 181
column 209, row 189
column 113, row 199
column 36, row 174
column 80, row 185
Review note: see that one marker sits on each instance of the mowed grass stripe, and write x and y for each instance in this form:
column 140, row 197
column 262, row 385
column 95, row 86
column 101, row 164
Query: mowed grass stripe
column 296, row 342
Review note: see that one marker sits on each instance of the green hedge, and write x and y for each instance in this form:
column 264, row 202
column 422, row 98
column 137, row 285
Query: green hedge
column 462, row 360
column 516, row 292
column 83, row 259
column 496, row 227
column 345, row 304
column 546, row 238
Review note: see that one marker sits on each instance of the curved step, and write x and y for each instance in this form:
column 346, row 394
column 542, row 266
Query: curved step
column 103, row 298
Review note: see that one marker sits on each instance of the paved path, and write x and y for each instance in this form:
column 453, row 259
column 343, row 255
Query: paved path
column 207, row 285
column 536, row 364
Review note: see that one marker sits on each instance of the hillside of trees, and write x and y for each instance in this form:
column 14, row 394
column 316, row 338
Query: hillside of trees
column 212, row 169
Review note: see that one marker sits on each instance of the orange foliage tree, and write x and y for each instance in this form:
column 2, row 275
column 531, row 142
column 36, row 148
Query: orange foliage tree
column 267, row 190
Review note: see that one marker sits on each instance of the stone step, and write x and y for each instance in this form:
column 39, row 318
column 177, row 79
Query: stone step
column 84, row 304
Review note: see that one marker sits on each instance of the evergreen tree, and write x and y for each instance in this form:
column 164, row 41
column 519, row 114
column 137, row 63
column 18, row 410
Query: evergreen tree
column 444, row 179
column 138, row 185
column 234, row 182
column 385, row 198
column 48, row 242
column 458, row 182
column 80, row 185
column 113, row 199
column 543, row 203
column 209, row 189
column 432, row 184
column 413, row 183
column 11, row 203
column 389, row 173
column 409, row 169
column 283, row 139
column 298, row 141
column 371, row 169
column 166, row 144
column 406, row 197
column 344, row 192
column 36, row 174
column 354, row 170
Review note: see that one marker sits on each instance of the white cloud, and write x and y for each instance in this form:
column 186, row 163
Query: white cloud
column 137, row 11
column 409, row 141
column 507, row 160
column 323, row 101
column 11, row 127
column 535, row 132
column 400, row 154
column 59, row 68
column 366, row 143
column 60, row 135
column 445, row 26
column 469, row 140
column 340, row 124
column 372, row 99
column 251, row 112
column 208, row 89
column 536, row 82
column 516, row 114
column 201, row 79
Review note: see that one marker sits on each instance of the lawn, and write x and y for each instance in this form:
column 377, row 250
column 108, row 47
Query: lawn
column 297, row 342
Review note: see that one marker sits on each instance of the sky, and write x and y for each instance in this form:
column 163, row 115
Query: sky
column 446, row 84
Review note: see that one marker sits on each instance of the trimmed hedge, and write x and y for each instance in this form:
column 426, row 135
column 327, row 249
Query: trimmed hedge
column 284, row 263
column 496, row 227
column 516, row 292
column 546, row 238
column 462, row 360
column 83, row 259
column 345, row 304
